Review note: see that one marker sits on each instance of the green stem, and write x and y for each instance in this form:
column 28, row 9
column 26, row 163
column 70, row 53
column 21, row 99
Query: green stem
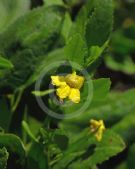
column 48, row 158
column 47, row 122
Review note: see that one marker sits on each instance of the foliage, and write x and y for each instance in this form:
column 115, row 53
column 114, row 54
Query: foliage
column 39, row 131
column 10, row 11
column 3, row 158
column 123, row 40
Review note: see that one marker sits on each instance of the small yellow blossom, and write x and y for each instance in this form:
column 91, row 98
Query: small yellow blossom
column 74, row 81
column 68, row 86
column 58, row 80
column 63, row 91
column 74, row 95
column 97, row 127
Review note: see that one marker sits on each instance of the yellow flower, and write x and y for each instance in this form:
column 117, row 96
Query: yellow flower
column 97, row 127
column 58, row 80
column 63, row 91
column 74, row 81
column 68, row 86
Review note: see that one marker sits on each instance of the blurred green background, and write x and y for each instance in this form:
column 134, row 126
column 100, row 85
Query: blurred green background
column 119, row 63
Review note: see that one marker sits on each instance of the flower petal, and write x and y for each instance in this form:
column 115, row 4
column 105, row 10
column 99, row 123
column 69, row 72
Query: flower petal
column 99, row 134
column 63, row 91
column 74, row 95
column 74, row 80
column 58, row 81
column 97, row 127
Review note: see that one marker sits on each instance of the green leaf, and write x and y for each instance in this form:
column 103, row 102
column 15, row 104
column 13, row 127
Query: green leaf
column 51, row 58
column 5, row 63
column 131, row 159
column 34, row 125
column 99, row 25
column 75, row 50
column 28, row 131
column 94, row 23
column 94, row 55
column 76, row 148
column 11, row 10
column 53, row 2
column 3, row 158
column 126, row 64
column 82, row 17
column 101, row 89
column 5, row 115
column 126, row 127
column 111, row 145
column 98, row 152
column 66, row 28
column 72, row 2
column 56, row 137
column 27, row 42
column 60, row 139
column 37, row 157
column 13, row 144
